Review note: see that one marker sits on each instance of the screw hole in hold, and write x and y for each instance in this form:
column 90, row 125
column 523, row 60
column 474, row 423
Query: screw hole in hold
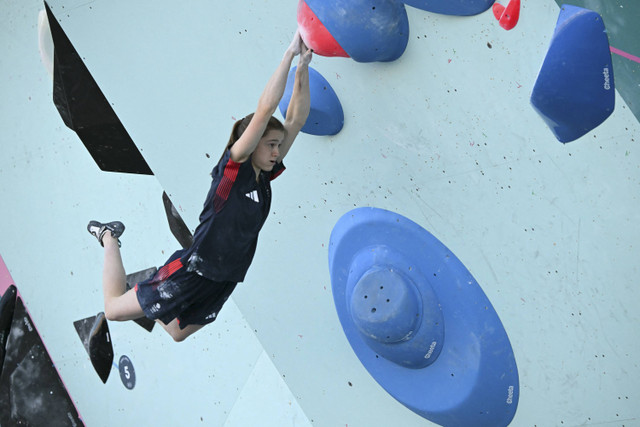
column 387, row 300
column 373, row 310
column 381, row 287
column 365, row 297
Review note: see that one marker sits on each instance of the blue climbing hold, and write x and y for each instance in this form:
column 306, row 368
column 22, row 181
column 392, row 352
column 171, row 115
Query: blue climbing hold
column 419, row 322
column 574, row 91
column 326, row 116
column 367, row 30
column 452, row 7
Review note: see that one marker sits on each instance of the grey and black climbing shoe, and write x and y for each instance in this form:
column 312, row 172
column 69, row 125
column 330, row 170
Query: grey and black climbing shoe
column 97, row 229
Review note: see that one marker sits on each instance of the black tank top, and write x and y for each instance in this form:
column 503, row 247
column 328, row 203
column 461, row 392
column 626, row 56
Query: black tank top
column 234, row 212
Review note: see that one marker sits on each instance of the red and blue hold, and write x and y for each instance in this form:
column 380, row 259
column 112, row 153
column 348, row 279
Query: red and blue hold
column 363, row 30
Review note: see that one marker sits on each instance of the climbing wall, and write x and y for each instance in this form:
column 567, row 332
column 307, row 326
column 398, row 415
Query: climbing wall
column 444, row 135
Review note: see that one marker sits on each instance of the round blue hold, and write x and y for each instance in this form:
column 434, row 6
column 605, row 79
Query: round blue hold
column 326, row 116
column 394, row 309
column 385, row 307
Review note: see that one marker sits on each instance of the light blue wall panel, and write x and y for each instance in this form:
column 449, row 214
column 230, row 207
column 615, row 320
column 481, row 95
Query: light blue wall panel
column 49, row 189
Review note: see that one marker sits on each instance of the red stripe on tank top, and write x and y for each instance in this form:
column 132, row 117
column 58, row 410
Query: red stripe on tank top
column 277, row 174
column 224, row 188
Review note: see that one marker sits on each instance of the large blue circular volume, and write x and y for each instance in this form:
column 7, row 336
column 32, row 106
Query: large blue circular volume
column 419, row 322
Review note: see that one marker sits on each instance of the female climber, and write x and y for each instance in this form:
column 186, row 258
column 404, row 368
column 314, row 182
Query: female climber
column 189, row 290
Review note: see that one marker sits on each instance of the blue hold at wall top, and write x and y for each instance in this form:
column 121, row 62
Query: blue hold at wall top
column 452, row 7
column 419, row 322
column 367, row 30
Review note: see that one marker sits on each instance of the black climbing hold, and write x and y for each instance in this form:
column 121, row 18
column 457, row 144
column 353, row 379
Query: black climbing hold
column 94, row 334
column 7, row 308
column 176, row 224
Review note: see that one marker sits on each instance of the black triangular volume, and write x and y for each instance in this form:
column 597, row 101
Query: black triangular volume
column 84, row 109
column 94, row 334
column 83, row 328
column 100, row 347
column 176, row 224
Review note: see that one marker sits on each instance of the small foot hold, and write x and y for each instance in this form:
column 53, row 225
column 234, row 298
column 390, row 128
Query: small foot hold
column 507, row 16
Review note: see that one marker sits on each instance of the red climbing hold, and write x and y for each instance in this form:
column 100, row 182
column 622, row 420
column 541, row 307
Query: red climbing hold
column 507, row 16
column 315, row 35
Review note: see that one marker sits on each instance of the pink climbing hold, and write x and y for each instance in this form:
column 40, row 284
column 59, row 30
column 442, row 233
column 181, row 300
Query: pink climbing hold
column 315, row 35
column 507, row 16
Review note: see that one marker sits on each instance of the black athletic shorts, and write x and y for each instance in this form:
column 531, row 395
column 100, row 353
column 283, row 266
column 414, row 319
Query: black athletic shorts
column 173, row 292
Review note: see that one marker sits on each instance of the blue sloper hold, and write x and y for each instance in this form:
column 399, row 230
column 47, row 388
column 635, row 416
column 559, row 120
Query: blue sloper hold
column 452, row 7
column 326, row 116
column 419, row 322
column 368, row 30
column 574, row 91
